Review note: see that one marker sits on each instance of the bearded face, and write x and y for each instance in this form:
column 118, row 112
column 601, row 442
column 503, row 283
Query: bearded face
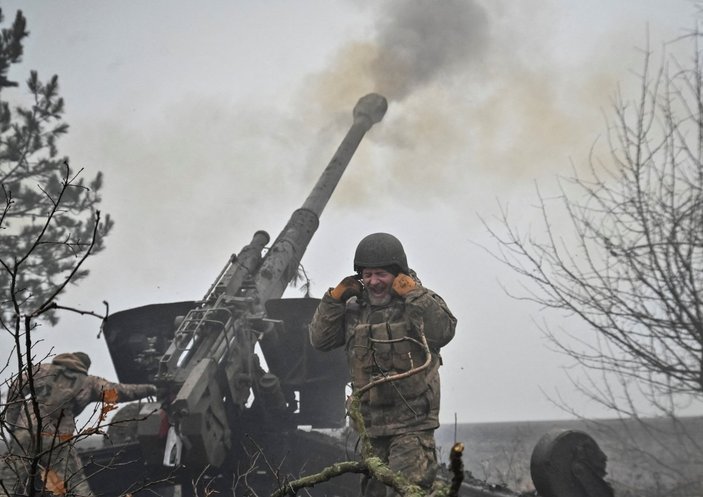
column 378, row 283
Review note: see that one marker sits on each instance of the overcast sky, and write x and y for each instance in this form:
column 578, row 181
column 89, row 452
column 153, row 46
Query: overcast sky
column 212, row 120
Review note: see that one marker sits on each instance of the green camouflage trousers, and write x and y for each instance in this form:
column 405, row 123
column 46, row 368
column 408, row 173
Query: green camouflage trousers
column 63, row 460
column 411, row 454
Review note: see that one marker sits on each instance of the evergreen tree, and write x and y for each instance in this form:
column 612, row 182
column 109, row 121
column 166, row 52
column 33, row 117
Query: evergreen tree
column 47, row 211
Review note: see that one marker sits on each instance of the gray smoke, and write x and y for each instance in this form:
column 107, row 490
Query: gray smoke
column 480, row 101
column 424, row 40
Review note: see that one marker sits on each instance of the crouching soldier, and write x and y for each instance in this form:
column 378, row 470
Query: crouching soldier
column 62, row 389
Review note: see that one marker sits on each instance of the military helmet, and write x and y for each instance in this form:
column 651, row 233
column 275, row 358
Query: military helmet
column 83, row 358
column 380, row 250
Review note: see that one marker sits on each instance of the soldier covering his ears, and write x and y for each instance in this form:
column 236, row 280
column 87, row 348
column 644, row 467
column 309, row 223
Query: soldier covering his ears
column 378, row 315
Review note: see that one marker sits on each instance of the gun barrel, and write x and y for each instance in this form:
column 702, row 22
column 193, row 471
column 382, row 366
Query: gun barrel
column 281, row 262
column 369, row 110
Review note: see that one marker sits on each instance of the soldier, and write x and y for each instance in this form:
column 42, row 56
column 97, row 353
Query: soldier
column 62, row 390
column 378, row 315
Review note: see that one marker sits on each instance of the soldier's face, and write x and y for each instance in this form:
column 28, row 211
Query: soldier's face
column 378, row 283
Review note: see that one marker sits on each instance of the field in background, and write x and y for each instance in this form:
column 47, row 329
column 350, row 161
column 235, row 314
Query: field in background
column 500, row 452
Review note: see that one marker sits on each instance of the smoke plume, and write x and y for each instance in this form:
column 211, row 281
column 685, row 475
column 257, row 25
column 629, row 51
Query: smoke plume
column 474, row 104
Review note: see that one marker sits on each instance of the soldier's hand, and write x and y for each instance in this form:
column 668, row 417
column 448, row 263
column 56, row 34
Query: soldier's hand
column 403, row 284
column 349, row 287
column 151, row 391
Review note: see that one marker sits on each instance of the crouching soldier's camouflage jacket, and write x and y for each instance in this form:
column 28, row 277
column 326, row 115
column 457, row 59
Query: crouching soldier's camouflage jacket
column 63, row 389
column 384, row 340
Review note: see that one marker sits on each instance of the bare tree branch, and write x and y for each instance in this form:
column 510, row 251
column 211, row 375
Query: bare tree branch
column 622, row 249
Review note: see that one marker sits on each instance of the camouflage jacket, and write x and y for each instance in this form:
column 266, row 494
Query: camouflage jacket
column 63, row 389
column 384, row 340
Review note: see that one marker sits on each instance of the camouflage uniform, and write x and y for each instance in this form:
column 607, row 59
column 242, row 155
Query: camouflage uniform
column 63, row 389
column 400, row 416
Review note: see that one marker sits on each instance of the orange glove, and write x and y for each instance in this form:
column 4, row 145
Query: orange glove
column 403, row 284
column 347, row 288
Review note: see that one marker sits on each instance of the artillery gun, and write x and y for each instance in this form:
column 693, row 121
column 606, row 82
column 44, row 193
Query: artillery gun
column 217, row 404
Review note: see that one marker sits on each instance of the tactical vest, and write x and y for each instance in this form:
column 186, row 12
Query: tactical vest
column 382, row 342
